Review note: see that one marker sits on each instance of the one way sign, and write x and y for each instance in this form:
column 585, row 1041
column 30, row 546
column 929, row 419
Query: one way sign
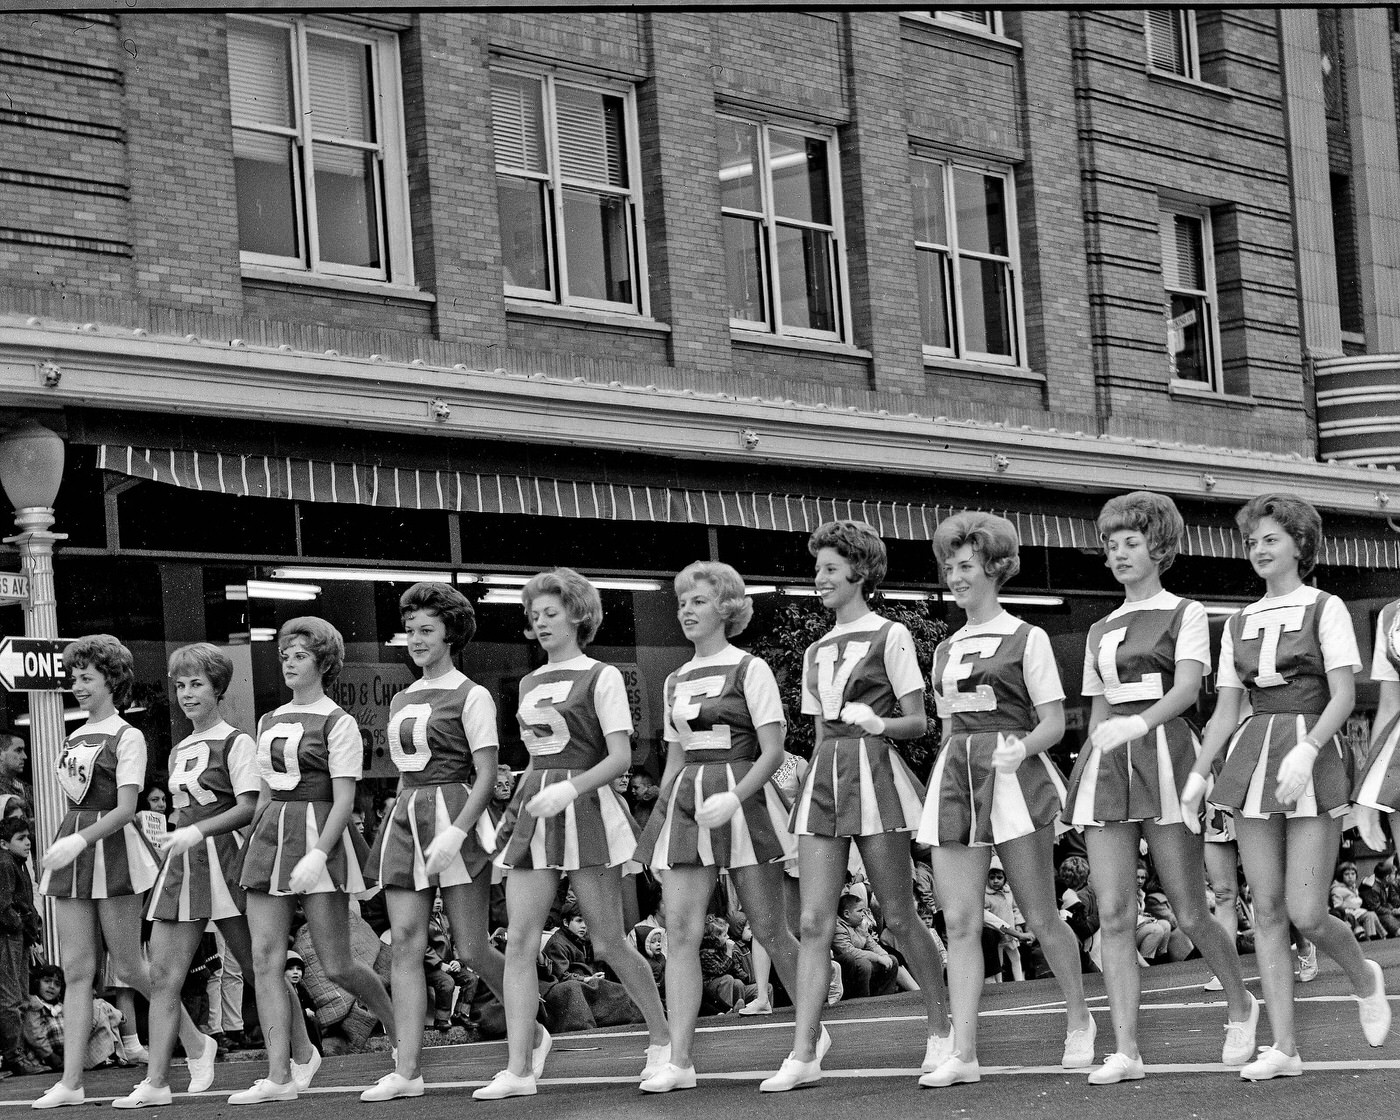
column 33, row 664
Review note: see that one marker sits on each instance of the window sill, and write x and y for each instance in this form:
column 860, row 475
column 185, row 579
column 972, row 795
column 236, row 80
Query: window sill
column 1222, row 92
column 524, row 308
column 936, row 363
column 291, row 278
column 809, row 345
column 1200, row 393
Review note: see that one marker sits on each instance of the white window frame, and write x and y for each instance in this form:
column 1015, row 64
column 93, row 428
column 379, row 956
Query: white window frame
column 1167, row 213
column 555, row 182
column 954, row 253
column 395, row 236
column 1183, row 31
column 770, row 222
column 986, row 20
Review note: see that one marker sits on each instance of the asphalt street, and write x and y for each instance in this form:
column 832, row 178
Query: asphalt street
column 871, row 1070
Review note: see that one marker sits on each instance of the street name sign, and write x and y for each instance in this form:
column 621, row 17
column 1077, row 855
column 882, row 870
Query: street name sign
column 14, row 588
column 33, row 664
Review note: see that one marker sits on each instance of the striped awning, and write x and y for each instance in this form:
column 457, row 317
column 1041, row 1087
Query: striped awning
column 310, row 480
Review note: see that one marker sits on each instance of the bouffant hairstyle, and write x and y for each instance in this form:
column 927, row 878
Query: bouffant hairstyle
column 322, row 640
column 110, row 658
column 202, row 660
column 1153, row 515
column 859, row 545
column 1074, row 872
column 580, row 598
column 992, row 538
column 732, row 604
column 1299, row 520
column 455, row 609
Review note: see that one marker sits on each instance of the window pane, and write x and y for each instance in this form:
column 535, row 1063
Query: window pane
column 592, row 144
column 517, row 122
column 1188, row 341
column 981, row 201
column 1183, row 253
column 930, row 212
column 738, row 155
column 933, row 299
column 524, row 233
column 1165, row 47
column 347, row 206
column 260, row 73
column 597, row 246
column 743, row 258
column 265, row 181
column 798, row 167
column 341, row 88
column 805, row 279
column 986, row 302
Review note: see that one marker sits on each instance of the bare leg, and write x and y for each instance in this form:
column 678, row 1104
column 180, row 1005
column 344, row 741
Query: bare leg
column 269, row 920
column 961, row 874
column 1113, row 856
column 1221, row 861
column 173, row 946
column 1030, row 871
column 529, row 895
column 328, row 918
column 891, row 872
column 1262, row 853
column 80, row 939
column 686, row 891
column 240, row 944
column 599, row 893
column 408, row 922
column 821, row 862
column 1311, row 854
column 761, row 892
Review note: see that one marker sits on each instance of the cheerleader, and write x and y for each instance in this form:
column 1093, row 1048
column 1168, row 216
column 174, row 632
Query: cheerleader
column 718, row 807
column 1143, row 666
column 309, row 762
column 1286, row 776
column 100, row 864
column 862, row 684
column 437, row 836
column 993, row 785
column 1378, row 787
column 566, row 818
column 214, row 787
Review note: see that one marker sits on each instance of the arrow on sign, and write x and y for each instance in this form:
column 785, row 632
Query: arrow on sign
column 33, row 664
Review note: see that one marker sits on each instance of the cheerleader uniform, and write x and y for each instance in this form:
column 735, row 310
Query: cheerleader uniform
column 567, row 710
column 301, row 749
column 714, row 706
column 1281, row 649
column 857, row 784
column 208, row 772
column 1379, row 784
column 988, row 679
column 434, row 726
column 96, row 761
column 1130, row 660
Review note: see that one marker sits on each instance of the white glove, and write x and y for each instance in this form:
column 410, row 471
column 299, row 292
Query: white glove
column 1294, row 772
column 864, row 717
column 180, row 841
column 1117, row 730
column 446, row 845
column 1009, row 755
column 1191, row 794
column 552, row 800
column 1368, row 823
column 307, row 873
column 62, row 852
column 716, row 809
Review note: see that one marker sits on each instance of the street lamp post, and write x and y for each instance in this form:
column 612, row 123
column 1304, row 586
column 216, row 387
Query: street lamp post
column 31, row 470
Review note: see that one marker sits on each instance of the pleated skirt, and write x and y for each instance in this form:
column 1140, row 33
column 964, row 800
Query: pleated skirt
column 1138, row 781
column 286, row 831
column 117, row 865
column 597, row 830
column 201, row 884
column 1247, row 779
column 971, row 802
column 857, row 787
column 399, row 855
column 1378, row 781
column 758, row 833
